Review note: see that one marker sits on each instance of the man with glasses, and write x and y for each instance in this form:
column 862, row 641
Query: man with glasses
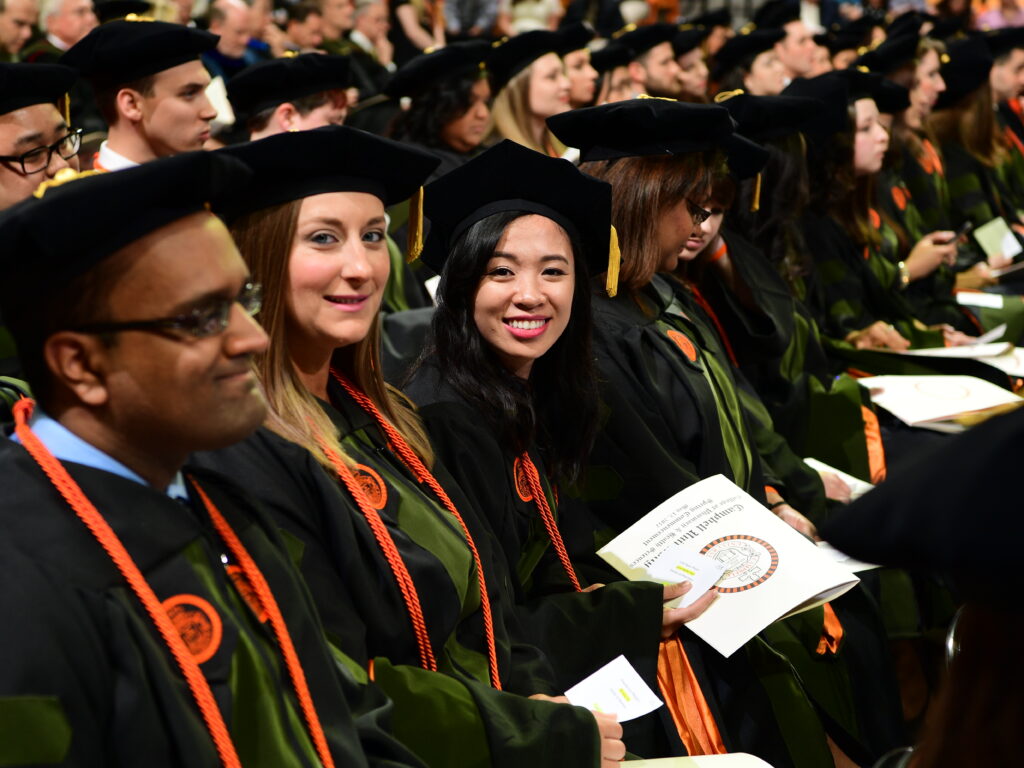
column 35, row 140
column 159, row 621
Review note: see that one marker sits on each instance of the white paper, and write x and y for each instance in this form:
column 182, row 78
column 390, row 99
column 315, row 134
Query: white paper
column 616, row 688
column 844, row 559
column 997, row 239
column 1007, row 270
column 916, row 400
column 858, row 487
column 771, row 570
column 979, row 299
column 989, row 336
column 677, row 564
column 732, row 760
column 1012, row 363
column 974, row 351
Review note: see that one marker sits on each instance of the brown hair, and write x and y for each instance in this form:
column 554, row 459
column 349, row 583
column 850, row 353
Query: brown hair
column 303, row 105
column 265, row 240
column 971, row 122
column 510, row 116
column 902, row 136
column 106, row 95
column 643, row 188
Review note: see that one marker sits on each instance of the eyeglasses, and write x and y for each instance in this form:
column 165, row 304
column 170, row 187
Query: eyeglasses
column 200, row 323
column 38, row 160
column 698, row 214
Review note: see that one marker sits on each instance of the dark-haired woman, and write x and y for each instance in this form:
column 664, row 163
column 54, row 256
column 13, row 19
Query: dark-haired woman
column 401, row 570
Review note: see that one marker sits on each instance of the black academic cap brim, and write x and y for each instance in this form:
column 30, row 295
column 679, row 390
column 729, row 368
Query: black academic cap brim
column 427, row 69
column 762, row 118
column 574, row 37
column 744, row 47
column 892, row 99
column 776, row 13
column 291, row 166
column 511, row 57
column 832, row 91
column 892, row 54
column 24, row 85
column 689, row 38
column 720, row 18
column 643, row 126
column 610, row 57
column 643, row 39
column 966, row 69
column 270, row 83
column 1001, row 41
column 744, row 158
column 110, row 10
column 510, row 177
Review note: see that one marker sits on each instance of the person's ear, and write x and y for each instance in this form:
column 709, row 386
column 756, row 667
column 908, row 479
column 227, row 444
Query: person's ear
column 286, row 117
column 129, row 104
column 78, row 362
column 637, row 73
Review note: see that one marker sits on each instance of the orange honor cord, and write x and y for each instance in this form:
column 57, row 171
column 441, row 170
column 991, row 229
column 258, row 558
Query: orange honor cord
column 284, row 638
column 112, row 545
column 703, row 303
column 387, row 546
column 413, row 462
column 541, row 501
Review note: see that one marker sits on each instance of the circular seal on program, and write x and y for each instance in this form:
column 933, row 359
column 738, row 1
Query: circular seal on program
column 372, row 485
column 198, row 624
column 684, row 344
column 522, row 481
column 748, row 561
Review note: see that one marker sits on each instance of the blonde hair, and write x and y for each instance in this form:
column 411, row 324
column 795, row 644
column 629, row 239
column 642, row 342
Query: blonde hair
column 265, row 240
column 511, row 117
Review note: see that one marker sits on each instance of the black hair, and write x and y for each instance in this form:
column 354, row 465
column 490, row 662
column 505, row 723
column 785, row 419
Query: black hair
column 557, row 407
column 303, row 105
column 435, row 107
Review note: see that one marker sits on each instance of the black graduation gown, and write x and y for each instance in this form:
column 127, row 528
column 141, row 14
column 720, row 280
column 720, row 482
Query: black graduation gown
column 87, row 680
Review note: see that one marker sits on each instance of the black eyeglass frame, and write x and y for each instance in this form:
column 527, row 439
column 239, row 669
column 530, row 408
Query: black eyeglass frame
column 698, row 213
column 200, row 323
column 75, row 134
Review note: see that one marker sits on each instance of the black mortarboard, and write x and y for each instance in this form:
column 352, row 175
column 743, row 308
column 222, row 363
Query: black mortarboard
column 335, row 158
column 744, row 158
column 438, row 65
column 948, row 27
column 77, row 220
column 270, row 83
column 892, row 54
column 22, row 85
column 1001, row 41
column 776, row 13
column 511, row 57
column 892, row 98
column 123, row 51
column 611, row 56
column 720, row 18
column 846, row 37
column 642, row 126
column 949, row 512
column 832, row 91
column 688, row 37
column 574, row 36
column 762, row 118
column 909, row 23
column 510, row 177
column 965, row 69
column 110, row 10
column 641, row 39
column 744, row 47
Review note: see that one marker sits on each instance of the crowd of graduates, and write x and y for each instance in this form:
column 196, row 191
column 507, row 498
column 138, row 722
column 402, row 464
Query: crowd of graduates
column 336, row 340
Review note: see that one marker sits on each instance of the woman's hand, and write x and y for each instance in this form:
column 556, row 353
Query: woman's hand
column 835, row 488
column 612, row 748
column 796, row 521
column 930, row 252
column 974, row 279
column 878, row 335
column 673, row 618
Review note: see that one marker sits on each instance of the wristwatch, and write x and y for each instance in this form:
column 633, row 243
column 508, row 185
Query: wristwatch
column 904, row 274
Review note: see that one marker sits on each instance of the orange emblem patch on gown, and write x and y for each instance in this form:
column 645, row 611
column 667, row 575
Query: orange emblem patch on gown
column 198, row 624
column 522, row 482
column 899, row 197
column 684, row 344
column 372, row 485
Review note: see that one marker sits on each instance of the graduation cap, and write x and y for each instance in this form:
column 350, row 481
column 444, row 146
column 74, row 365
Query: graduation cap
column 688, row 37
column 641, row 39
column 720, row 18
column 846, row 37
column 776, row 13
column 77, row 220
column 611, row 56
column 955, row 526
column 909, row 23
column 967, row 68
column 892, row 54
column 510, row 177
column 1001, row 41
column 745, row 46
column 745, row 160
column 891, row 98
column 574, row 36
column 23, row 85
column 109, row 10
column 335, row 158
column 834, row 91
column 762, row 118
column 270, row 83
column 124, row 51
column 420, row 72
column 511, row 57
column 642, row 126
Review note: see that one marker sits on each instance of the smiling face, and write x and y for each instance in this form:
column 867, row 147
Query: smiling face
column 871, row 140
column 549, row 87
column 524, row 300
column 337, row 270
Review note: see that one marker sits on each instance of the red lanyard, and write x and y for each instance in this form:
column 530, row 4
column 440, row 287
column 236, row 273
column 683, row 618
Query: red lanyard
column 112, row 545
column 541, row 502
column 408, row 456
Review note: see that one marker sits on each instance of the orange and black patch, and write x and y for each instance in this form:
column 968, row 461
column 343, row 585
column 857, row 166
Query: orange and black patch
column 248, row 593
column 899, row 197
column 876, row 220
column 522, row 481
column 684, row 344
column 372, row 485
column 198, row 624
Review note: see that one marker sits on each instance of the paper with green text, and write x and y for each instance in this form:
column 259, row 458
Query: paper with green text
column 615, row 689
column 771, row 571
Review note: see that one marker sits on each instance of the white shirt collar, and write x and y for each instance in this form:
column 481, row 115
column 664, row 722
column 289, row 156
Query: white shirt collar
column 57, row 43
column 109, row 160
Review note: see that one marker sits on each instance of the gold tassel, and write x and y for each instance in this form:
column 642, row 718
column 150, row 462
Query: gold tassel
column 66, row 109
column 414, row 243
column 611, row 283
column 755, row 201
